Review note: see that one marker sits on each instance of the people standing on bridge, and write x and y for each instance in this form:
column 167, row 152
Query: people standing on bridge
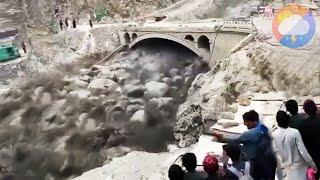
column 294, row 158
column 66, row 22
column 295, row 118
column 74, row 23
column 61, row 24
column 24, row 47
column 309, row 130
column 90, row 22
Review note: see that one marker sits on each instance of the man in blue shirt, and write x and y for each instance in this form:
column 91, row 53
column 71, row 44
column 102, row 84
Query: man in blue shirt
column 256, row 144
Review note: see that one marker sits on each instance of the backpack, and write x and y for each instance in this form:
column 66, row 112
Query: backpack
column 243, row 174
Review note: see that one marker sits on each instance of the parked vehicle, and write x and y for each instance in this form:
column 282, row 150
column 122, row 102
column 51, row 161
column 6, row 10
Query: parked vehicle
column 8, row 52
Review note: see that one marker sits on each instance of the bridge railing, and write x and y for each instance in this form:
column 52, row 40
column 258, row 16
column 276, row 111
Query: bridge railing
column 240, row 25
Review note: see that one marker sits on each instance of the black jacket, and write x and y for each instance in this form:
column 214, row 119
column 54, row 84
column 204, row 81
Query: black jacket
column 310, row 132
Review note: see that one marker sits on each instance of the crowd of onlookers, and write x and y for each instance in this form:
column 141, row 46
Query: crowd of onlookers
column 290, row 150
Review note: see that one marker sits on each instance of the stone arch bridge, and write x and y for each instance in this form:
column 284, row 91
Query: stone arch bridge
column 211, row 39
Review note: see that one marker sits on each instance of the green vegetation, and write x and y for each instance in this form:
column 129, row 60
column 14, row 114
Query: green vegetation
column 101, row 13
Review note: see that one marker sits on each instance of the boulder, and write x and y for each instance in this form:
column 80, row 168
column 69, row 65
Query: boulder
column 244, row 101
column 96, row 67
column 78, row 84
column 61, row 144
column 254, row 89
column 38, row 91
column 227, row 115
column 208, row 114
column 85, row 78
column 131, row 109
column 118, row 116
column 233, row 108
column 82, row 118
column 51, row 112
column 174, row 92
column 162, row 102
column 84, row 71
column 198, row 81
column 178, row 81
column 160, row 110
column 134, row 82
column 138, row 116
column 67, row 79
column 173, row 72
column 151, row 66
column 264, row 89
column 167, row 80
column 81, row 94
column 37, row 94
column 134, row 91
column 240, row 87
column 62, row 94
column 16, row 122
column 157, row 89
column 189, row 126
column 46, row 99
column 120, row 106
column 226, row 123
column 90, row 125
column 93, row 100
column 102, row 86
column 138, row 101
column 109, row 102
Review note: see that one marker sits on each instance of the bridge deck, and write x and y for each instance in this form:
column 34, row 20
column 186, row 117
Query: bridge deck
column 241, row 26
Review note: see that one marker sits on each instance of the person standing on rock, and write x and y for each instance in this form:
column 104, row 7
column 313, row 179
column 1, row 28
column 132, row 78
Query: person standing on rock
column 295, row 118
column 189, row 161
column 294, row 158
column 309, row 130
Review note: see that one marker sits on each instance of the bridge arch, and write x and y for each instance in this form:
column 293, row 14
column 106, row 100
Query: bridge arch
column 189, row 37
column 127, row 38
column 183, row 42
column 134, row 36
column 204, row 43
